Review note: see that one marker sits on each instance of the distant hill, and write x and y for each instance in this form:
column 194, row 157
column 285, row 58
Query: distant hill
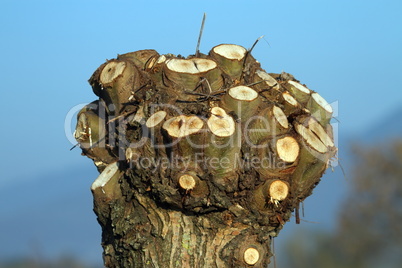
column 388, row 128
column 50, row 217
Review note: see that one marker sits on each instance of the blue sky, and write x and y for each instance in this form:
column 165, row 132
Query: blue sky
column 348, row 51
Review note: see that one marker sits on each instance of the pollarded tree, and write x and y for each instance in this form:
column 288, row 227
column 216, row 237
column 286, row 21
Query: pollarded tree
column 202, row 159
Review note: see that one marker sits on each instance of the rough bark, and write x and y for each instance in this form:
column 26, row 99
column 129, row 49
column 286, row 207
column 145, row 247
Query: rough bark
column 202, row 159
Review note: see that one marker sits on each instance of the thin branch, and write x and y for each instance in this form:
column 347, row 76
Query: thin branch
column 197, row 51
column 255, row 43
column 248, row 53
column 266, row 41
column 120, row 116
column 74, row 146
column 258, row 82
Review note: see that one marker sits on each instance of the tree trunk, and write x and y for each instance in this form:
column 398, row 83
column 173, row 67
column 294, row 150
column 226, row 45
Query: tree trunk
column 139, row 233
column 202, row 159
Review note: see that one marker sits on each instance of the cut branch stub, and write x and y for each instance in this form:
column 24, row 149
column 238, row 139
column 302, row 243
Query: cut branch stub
column 270, row 122
column 278, row 190
column 223, row 147
column 154, row 125
column 251, row 256
column 242, row 100
column 268, row 81
column 155, row 63
column 266, row 85
column 270, row 192
column 91, row 133
column 193, row 186
column 313, row 134
column 289, row 103
column 320, row 132
column 278, row 156
column 222, row 132
column 230, row 59
column 187, row 182
column 116, row 83
column 320, row 108
column 154, row 67
column 220, row 123
column 187, row 73
column 155, row 119
column 183, row 125
column 90, row 129
column 309, row 137
column 280, row 117
column 140, row 58
column 186, row 136
column 300, row 92
column 287, row 149
column 106, row 187
column 316, row 151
